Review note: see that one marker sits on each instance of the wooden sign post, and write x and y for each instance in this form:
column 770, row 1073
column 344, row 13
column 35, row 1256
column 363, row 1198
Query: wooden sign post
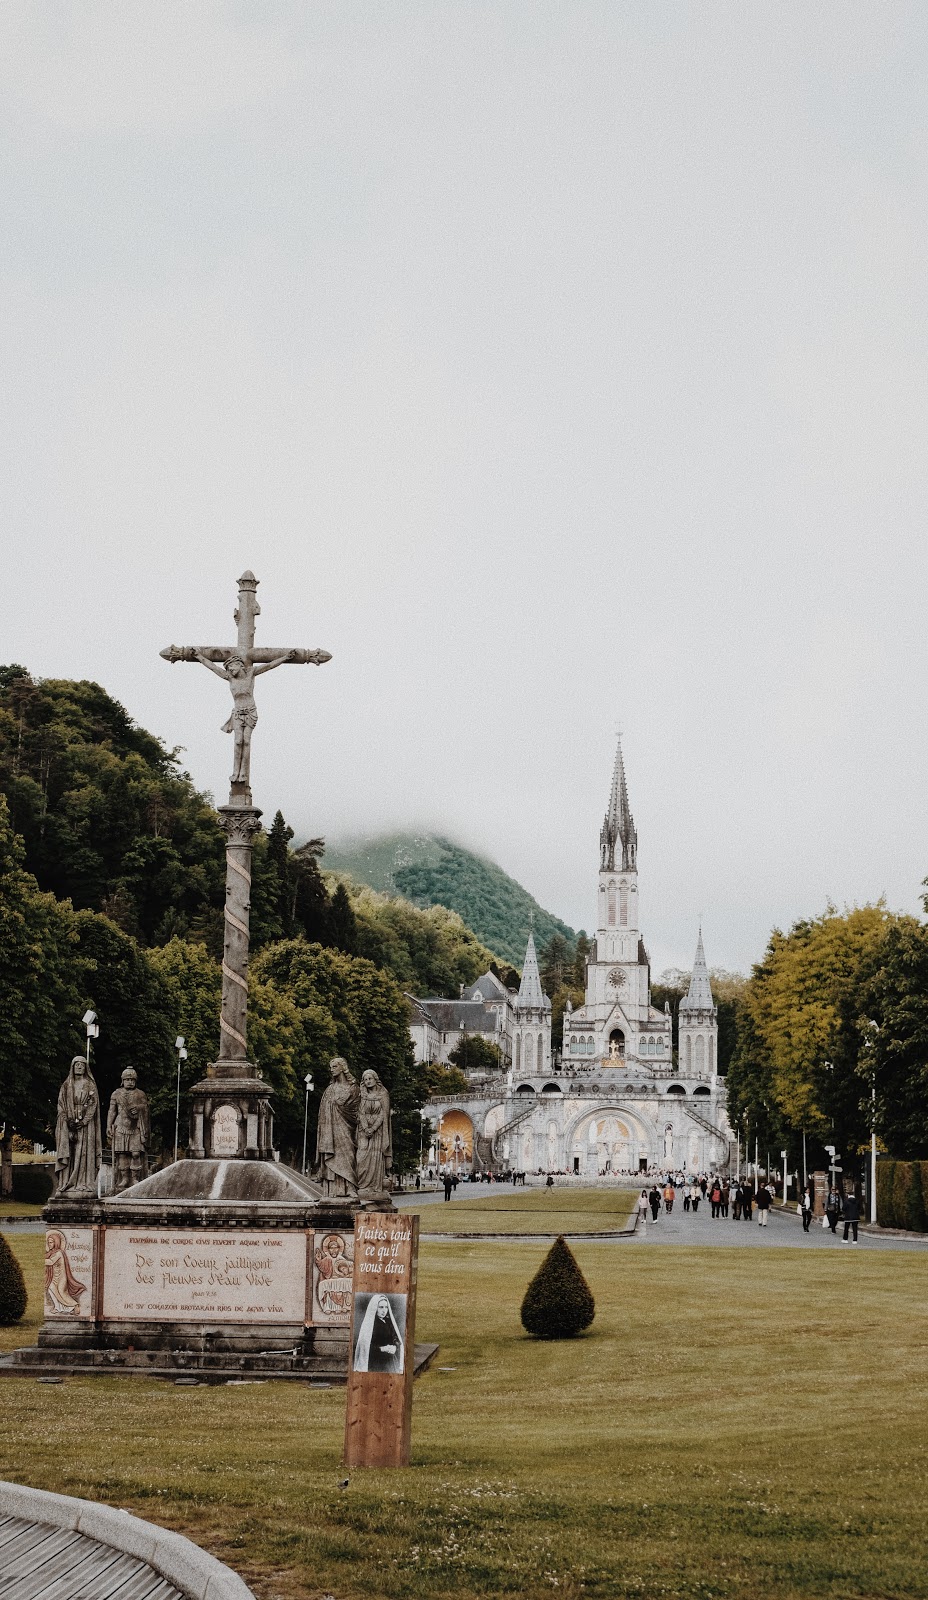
column 383, row 1327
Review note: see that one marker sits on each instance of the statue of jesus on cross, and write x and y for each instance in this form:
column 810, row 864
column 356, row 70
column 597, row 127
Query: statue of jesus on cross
column 239, row 665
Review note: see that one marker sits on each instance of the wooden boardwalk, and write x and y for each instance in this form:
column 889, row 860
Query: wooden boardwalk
column 39, row 1562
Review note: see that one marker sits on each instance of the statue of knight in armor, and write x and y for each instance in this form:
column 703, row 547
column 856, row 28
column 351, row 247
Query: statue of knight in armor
column 128, row 1132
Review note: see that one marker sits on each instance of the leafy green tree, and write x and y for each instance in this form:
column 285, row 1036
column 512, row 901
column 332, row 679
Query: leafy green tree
column 278, row 851
column 429, row 951
column 443, row 1080
column 896, row 1051
column 346, row 1006
column 582, row 950
column 107, row 819
column 559, row 1001
column 474, row 1054
column 799, row 1059
column 309, row 896
column 121, row 984
column 556, row 963
column 40, row 1018
column 343, row 924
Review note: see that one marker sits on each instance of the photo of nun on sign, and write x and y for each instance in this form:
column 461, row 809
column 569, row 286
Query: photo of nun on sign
column 381, row 1323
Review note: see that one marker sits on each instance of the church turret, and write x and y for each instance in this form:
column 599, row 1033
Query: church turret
column 698, row 1024
column 531, row 1044
column 618, row 825
column 618, row 916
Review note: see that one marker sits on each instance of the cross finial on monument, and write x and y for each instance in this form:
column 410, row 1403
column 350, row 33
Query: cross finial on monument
column 239, row 665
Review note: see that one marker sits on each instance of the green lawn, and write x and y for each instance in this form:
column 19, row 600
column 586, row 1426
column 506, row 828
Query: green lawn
column 18, row 1208
column 528, row 1211
column 737, row 1424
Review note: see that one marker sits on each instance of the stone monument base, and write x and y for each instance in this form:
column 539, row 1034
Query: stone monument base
column 219, row 1270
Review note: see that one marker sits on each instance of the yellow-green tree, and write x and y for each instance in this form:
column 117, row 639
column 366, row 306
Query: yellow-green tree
column 800, row 1061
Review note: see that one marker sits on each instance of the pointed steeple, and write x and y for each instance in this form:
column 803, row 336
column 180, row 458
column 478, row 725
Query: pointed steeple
column 530, row 991
column 619, row 824
column 699, row 994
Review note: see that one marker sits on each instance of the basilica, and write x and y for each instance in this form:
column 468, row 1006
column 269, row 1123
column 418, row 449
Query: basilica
column 619, row 1098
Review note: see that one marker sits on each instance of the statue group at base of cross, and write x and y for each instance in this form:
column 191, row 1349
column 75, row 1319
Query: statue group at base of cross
column 78, row 1140
column 354, row 1145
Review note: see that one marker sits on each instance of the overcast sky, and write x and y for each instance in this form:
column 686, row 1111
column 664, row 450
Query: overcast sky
column 560, row 367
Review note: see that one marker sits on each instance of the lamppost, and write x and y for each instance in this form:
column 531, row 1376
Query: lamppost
column 424, row 1117
column 785, row 1176
column 873, row 1029
column 179, row 1044
column 308, row 1080
column 90, row 1022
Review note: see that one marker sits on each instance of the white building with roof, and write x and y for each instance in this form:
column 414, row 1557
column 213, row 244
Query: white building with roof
column 619, row 1098
column 517, row 1022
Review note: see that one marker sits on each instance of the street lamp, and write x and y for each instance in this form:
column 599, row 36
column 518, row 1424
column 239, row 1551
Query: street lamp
column 179, row 1044
column 424, row 1117
column 873, row 1029
column 308, row 1080
column 785, row 1177
column 90, row 1022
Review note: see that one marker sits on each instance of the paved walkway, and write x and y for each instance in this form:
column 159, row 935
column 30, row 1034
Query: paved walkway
column 682, row 1227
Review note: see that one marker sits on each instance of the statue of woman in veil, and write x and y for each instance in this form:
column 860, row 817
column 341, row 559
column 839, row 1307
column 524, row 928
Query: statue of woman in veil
column 78, row 1144
column 375, row 1144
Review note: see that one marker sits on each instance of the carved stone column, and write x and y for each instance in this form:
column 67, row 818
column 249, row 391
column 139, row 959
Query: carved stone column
column 241, row 824
column 230, row 1108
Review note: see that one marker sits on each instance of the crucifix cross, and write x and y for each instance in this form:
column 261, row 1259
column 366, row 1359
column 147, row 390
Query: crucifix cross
column 239, row 664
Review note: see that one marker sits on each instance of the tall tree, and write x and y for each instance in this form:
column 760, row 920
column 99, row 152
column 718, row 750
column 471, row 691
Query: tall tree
column 343, row 923
column 40, row 1018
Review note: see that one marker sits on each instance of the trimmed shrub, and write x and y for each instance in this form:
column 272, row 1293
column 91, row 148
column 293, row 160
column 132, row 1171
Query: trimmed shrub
column 885, row 1209
column 32, row 1185
column 558, row 1302
column 12, row 1286
column 908, row 1201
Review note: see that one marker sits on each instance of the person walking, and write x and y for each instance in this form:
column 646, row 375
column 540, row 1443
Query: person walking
column 747, row 1203
column 448, row 1185
column 737, row 1204
column 833, row 1209
column 805, row 1205
column 695, row 1197
column 670, row 1194
column 686, row 1198
column 851, row 1215
column 642, row 1208
column 726, row 1196
column 763, row 1205
column 715, row 1197
column 654, row 1201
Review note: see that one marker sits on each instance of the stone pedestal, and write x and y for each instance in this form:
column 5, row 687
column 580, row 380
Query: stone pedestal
column 215, row 1267
column 230, row 1115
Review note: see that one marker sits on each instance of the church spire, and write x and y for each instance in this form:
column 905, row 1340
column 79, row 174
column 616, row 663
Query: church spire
column 530, row 992
column 619, row 825
column 699, row 994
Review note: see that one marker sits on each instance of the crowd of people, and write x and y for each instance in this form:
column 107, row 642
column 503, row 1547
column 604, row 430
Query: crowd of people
column 741, row 1199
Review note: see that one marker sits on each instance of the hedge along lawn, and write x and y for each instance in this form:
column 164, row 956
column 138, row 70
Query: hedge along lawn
column 737, row 1423
column 521, row 1211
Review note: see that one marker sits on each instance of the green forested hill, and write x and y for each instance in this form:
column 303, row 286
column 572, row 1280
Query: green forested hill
column 430, row 870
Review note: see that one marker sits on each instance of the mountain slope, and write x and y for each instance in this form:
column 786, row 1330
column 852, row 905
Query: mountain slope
column 431, row 870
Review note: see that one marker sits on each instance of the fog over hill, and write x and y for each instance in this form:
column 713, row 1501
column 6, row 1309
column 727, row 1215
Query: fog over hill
column 429, row 869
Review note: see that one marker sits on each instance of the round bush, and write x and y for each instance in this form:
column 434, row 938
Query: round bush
column 558, row 1302
column 12, row 1286
column 32, row 1185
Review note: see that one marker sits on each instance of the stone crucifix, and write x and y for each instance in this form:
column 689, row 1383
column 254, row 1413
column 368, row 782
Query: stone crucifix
column 239, row 665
